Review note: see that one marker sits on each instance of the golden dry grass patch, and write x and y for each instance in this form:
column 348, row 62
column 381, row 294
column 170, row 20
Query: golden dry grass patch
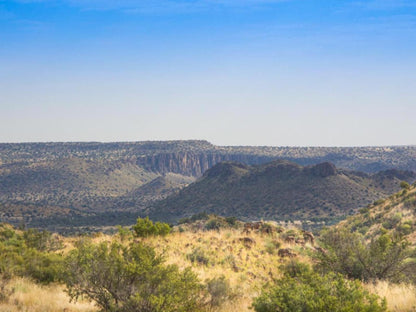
column 400, row 297
column 30, row 297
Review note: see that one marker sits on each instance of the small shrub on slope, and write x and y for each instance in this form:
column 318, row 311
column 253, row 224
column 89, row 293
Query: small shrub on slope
column 145, row 227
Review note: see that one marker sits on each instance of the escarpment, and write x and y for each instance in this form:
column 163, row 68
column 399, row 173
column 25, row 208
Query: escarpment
column 193, row 163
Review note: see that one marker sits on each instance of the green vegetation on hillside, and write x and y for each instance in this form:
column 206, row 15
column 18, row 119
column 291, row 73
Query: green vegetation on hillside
column 279, row 190
column 59, row 186
column 217, row 264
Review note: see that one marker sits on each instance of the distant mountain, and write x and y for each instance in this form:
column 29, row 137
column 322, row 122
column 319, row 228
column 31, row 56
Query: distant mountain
column 279, row 190
column 110, row 183
column 193, row 157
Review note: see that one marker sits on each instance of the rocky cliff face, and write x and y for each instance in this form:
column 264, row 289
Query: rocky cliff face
column 193, row 163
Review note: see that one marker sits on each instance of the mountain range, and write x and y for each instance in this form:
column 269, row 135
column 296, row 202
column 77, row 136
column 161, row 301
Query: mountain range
column 92, row 183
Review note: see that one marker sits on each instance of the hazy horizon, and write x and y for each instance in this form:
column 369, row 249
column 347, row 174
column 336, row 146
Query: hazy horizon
column 248, row 73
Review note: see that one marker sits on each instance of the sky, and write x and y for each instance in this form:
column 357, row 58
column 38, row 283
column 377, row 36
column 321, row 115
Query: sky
column 233, row 72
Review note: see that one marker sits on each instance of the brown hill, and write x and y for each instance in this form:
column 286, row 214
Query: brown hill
column 279, row 190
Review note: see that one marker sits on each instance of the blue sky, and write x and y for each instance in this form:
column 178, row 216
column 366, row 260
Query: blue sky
column 249, row 72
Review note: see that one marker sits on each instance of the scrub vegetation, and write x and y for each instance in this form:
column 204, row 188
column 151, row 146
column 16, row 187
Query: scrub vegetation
column 207, row 263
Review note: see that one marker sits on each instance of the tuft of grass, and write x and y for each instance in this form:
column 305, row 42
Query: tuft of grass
column 400, row 297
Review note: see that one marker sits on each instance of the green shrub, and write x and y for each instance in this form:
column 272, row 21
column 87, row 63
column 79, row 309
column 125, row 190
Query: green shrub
column 410, row 202
column 130, row 279
column 219, row 291
column 198, row 256
column 195, row 217
column 301, row 289
column 232, row 221
column 404, row 185
column 213, row 224
column 41, row 240
column 20, row 255
column 271, row 246
column 379, row 202
column 393, row 221
column 384, row 257
column 42, row 267
column 123, row 233
column 405, row 228
column 145, row 227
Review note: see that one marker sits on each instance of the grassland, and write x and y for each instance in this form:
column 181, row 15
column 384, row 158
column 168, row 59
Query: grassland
column 247, row 261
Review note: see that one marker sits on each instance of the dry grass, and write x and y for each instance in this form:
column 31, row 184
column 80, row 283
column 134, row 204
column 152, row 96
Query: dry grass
column 30, row 297
column 400, row 297
column 246, row 266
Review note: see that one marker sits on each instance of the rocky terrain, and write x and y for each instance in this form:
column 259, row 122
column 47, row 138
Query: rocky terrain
column 194, row 157
column 280, row 190
column 42, row 184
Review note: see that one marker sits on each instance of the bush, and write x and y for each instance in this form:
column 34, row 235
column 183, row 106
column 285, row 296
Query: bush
column 384, row 257
column 195, row 217
column 42, row 267
column 130, row 279
column 406, row 228
column 232, row 221
column 198, row 255
column 404, row 185
column 41, row 240
column 410, row 202
column 379, row 202
column 219, row 291
column 20, row 255
column 213, row 224
column 272, row 246
column 301, row 289
column 145, row 227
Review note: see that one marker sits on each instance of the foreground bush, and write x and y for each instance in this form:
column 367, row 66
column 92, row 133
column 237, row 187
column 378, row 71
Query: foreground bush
column 24, row 254
column 303, row 290
column 130, row 279
column 386, row 257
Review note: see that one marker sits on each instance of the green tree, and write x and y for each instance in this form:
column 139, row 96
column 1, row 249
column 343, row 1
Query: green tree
column 130, row 279
column 301, row 289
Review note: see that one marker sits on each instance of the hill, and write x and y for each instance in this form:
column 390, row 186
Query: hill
column 395, row 215
column 279, row 190
column 87, row 184
column 76, row 191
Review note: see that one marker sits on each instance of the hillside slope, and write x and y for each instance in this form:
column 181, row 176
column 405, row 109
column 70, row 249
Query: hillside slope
column 41, row 193
column 395, row 214
column 279, row 190
column 94, row 183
